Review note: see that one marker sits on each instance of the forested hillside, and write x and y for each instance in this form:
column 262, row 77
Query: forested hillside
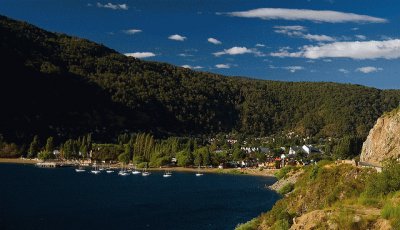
column 57, row 85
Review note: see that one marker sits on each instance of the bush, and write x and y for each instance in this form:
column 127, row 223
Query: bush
column 286, row 189
column 250, row 225
column 281, row 225
column 282, row 173
column 390, row 211
column 386, row 182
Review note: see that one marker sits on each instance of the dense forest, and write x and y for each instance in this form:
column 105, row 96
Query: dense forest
column 62, row 86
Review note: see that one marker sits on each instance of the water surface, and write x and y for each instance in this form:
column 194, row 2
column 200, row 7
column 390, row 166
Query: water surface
column 35, row 198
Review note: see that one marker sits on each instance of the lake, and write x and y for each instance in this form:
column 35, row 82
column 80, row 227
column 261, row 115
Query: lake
column 37, row 198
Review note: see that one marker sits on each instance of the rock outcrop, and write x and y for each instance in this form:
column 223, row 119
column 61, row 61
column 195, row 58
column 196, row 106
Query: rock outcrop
column 383, row 141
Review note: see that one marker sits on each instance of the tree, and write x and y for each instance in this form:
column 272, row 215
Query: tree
column 184, row 158
column 49, row 145
column 123, row 158
column 34, row 147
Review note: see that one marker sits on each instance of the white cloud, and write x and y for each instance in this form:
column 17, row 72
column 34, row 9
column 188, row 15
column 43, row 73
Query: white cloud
column 361, row 37
column 223, row 66
column 345, row 71
column 368, row 69
column 293, row 69
column 318, row 38
column 303, row 14
column 389, row 49
column 185, row 55
column 290, row 28
column 238, row 50
column 214, row 41
column 260, row 45
column 132, row 31
column 140, row 54
column 298, row 31
column 192, row 67
column 113, row 6
column 177, row 37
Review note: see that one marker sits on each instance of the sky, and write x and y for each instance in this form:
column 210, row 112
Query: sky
column 347, row 41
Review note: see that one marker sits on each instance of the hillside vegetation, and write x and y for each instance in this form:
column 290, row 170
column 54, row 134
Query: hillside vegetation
column 329, row 196
column 62, row 86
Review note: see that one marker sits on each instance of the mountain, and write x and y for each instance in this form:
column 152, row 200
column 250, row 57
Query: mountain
column 383, row 141
column 63, row 86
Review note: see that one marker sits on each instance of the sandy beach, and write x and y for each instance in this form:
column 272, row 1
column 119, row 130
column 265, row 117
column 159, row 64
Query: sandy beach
column 18, row 161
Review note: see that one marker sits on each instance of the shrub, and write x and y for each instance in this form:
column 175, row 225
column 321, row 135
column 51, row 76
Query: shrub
column 390, row 211
column 286, row 189
column 250, row 225
column 281, row 225
column 282, row 173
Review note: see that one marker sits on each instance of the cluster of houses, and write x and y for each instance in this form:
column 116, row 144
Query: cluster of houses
column 295, row 155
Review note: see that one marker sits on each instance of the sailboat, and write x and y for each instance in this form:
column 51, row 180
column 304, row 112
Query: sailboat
column 145, row 173
column 95, row 170
column 198, row 172
column 167, row 174
column 135, row 171
column 80, row 169
column 123, row 172
column 109, row 169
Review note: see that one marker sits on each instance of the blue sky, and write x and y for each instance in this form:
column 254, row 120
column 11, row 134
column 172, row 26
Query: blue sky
column 355, row 41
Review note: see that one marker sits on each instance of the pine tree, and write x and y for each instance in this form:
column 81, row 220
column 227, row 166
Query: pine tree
column 50, row 145
column 34, row 147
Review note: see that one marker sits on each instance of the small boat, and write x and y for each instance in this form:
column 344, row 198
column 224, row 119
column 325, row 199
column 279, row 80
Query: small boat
column 135, row 171
column 167, row 174
column 145, row 173
column 95, row 170
column 198, row 172
column 80, row 169
column 123, row 172
column 109, row 171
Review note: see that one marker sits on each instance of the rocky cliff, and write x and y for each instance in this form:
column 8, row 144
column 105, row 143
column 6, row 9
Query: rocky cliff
column 383, row 141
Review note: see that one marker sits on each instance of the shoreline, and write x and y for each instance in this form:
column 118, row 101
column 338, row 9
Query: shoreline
column 232, row 171
column 18, row 161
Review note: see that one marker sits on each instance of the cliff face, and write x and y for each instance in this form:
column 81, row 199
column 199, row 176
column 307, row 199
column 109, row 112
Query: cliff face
column 383, row 141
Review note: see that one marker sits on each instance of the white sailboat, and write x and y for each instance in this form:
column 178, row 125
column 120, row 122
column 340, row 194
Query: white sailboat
column 135, row 171
column 109, row 169
column 167, row 174
column 80, row 169
column 95, row 170
column 145, row 173
column 123, row 172
column 198, row 172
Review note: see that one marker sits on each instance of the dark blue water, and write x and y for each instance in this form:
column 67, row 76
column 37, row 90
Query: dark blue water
column 35, row 198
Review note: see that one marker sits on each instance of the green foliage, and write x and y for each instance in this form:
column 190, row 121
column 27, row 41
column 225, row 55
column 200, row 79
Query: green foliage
column 348, row 147
column 45, row 155
column 184, row 158
column 286, row 189
column 282, row 173
column 34, row 147
column 124, row 158
column 250, row 225
column 391, row 211
column 49, row 144
column 386, row 182
column 281, row 225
